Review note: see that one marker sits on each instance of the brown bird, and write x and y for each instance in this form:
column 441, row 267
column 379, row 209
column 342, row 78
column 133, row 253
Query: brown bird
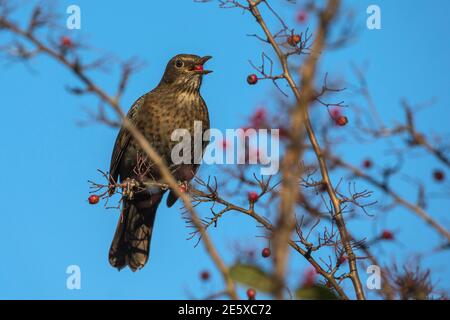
column 174, row 104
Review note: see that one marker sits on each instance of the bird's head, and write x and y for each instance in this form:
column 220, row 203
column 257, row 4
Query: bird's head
column 186, row 71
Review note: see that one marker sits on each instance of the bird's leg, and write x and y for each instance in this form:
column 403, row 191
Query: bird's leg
column 128, row 188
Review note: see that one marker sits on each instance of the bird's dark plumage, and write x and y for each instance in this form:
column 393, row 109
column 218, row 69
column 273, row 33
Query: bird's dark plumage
column 174, row 104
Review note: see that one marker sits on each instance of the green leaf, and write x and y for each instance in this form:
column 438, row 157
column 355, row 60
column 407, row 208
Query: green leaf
column 252, row 276
column 316, row 292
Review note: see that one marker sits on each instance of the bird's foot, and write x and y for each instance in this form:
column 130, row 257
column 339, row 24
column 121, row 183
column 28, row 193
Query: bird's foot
column 129, row 187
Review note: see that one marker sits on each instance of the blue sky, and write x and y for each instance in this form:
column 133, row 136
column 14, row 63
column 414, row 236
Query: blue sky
column 47, row 158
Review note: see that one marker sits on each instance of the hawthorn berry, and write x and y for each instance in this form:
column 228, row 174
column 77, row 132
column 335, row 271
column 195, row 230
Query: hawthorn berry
column 259, row 118
column 341, row 121
column 66, row 42
column 342, row 259
column 183, row 188
column 260, row 114
column 294, row 39
column 335, row 113
column 367, row 164
column 283, row 132
column 310, row 277
column 198, row 67
column 224, row 144
column 93, row 199
column 252, row 196
column 266, row 252
column 252, row 79
column 204, row 275
column 438, row 175
column 301, row 16
column 251, row 294
column 387, row 235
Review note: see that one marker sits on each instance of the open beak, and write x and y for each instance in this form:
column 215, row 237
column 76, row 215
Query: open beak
column 199, row 66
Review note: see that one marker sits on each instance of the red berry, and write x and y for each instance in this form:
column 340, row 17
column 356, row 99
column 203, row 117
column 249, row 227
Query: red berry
column 253, row 196
column 183, row 188
column 341, row 121
column 252, row 79
column 259, row 118
column 294, row 39
column 335, row 113
column 251, row 294
column 284, row 133
column 310, row 277
column 204, row 275
column 342, row 259
column 260, row 114
column 66, row 42
column 266, row 252
column 93, row 199
column 438, row 175
column 198, row 67
column 224, row 144
column 302, row 16
column 387, row 235
column 367, row 164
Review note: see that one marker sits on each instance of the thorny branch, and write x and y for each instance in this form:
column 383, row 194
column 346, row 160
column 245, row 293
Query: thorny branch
column 420, row 212
column 292, row 157
column 211, row 194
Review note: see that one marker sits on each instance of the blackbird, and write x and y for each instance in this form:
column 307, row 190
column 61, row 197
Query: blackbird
column 174, row 104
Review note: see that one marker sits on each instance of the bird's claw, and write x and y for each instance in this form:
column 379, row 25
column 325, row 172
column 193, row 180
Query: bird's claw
column 128, row 188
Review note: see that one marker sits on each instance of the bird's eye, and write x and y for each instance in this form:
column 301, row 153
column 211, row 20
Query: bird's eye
column 179, row 63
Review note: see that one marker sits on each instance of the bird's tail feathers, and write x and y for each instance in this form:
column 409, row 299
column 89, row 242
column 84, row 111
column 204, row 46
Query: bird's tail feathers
column 131, row 242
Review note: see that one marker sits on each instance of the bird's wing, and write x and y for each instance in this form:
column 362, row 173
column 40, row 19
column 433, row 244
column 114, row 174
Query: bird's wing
column 122, row 141
column 206, row 124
